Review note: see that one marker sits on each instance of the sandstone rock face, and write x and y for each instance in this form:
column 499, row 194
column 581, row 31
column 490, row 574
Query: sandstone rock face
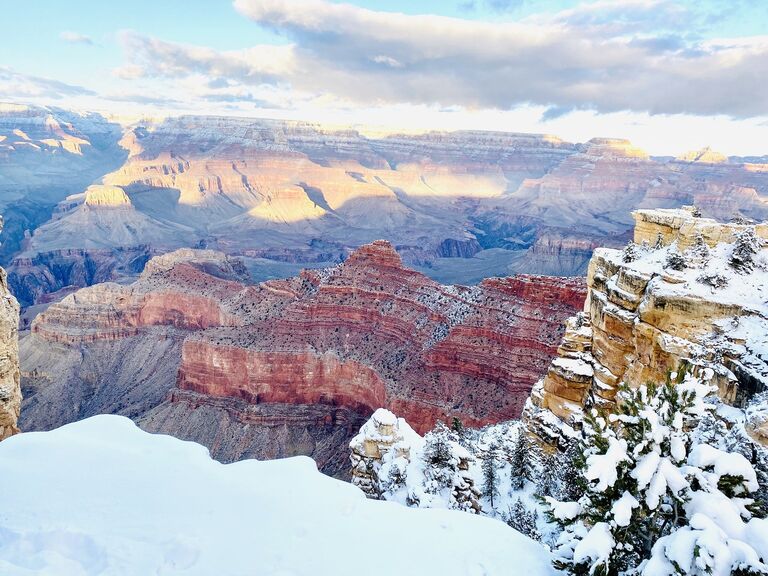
column 643, row 319
column 300, row 192
column 106, row 196
column 292, row 366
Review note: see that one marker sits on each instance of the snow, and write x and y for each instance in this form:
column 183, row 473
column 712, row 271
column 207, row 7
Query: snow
column 102, row 497
column 574, row 365
column 622, row 509
column 749, row 291
column 563, row 510
column 723, row 463
column 384, row 416
column 603, row 467
column 596, row 546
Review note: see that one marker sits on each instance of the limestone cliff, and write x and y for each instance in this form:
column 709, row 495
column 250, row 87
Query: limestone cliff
column 672, row 297
column 10, row 392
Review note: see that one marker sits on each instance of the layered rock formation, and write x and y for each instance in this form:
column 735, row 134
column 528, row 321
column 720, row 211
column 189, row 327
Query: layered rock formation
column 47, row 154
column 299, row 192
column 651, row 310
column 10, row 390
column 291, row 366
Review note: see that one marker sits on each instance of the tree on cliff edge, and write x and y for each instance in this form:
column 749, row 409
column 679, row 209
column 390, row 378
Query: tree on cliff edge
column 656, row 503
column 746, row 247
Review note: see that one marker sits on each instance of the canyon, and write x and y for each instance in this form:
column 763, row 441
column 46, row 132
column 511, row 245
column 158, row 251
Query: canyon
column 105, row 195
column 291, row 366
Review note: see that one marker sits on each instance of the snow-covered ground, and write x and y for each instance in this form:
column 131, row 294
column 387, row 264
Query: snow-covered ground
column 102, row 497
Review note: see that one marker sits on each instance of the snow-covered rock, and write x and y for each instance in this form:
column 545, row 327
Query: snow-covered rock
column 680, row 294
column 102, row 497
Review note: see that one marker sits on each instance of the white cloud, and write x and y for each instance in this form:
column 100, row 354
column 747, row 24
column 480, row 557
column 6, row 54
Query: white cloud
column 602, row 56
column 15, row 85
column 75, row 38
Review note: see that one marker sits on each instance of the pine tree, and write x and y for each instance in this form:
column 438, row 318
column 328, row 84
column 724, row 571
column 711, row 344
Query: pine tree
column 631, row 252
column 570, row 484
column 698, row 254
column 396, row 477
column 645, row 480
column 437, row 450
column 457, row 428
column 659, row 242
column 675, row 260
column 523, row 520
column 696, row 212
column 490, row 473
column 547, row 484
column 746, row 247
column 517, row 460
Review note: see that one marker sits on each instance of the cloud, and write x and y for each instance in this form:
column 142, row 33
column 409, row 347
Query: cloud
column 76, row 38
column 14, row 85
column 603, row 56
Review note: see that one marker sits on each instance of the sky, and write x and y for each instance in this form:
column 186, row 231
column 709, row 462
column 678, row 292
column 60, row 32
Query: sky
column 670, row 76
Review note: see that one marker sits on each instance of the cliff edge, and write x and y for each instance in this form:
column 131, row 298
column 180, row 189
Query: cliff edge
column 688, row 291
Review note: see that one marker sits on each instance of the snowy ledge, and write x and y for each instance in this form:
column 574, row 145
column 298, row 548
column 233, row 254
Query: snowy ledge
column 102, row 497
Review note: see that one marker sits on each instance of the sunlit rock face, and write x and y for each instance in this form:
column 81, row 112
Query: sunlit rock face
column 47, row 154
column 292, row 366
column 644, row 319
column 488, row 203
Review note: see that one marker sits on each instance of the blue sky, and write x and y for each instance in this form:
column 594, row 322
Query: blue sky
column 693, row 71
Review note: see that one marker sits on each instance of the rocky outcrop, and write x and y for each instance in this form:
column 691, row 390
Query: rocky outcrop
column 335, row 344
column 98, row 196
column 10, row 391
column 645, row 317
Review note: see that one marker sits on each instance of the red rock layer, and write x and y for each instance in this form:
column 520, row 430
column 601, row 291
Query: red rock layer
column 365, row 334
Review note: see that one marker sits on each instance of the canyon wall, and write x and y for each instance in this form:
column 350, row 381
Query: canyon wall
column 459, row 205
column 673, row 298
column 10, row 390
column 291, row 366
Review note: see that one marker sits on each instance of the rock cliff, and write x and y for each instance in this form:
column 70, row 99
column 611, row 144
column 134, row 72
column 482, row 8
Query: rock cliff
column 291, row 366
column 675, row 296
column 10, row 391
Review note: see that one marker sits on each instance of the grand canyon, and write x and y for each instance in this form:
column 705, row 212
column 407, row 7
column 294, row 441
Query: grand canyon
column 283, row 195
column 367, row 287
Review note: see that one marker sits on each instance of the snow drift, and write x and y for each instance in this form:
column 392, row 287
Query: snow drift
column 102, row 497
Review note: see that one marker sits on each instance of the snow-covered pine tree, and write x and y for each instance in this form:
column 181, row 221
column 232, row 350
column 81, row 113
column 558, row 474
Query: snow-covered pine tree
column 675, row 260
column 570, row 484
column 524, row 520
column 547, row 482
column 437, row 449
column 631, row 252
column 396, row 477
column 517, row 460
column 659, row 242
column 745, row 248
column 490, row 487
column 698, row 254
column 656, row 504
column 709, row 430
column 696, row 212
